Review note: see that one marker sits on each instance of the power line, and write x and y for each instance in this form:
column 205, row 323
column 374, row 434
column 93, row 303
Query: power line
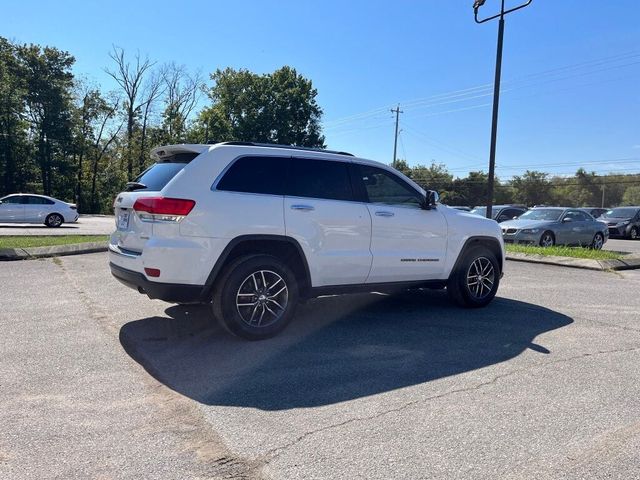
column 483, row 90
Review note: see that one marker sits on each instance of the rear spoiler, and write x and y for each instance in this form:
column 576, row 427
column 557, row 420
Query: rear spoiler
column 160, row 153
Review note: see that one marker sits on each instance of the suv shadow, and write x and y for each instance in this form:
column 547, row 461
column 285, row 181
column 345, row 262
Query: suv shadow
column 336, row 349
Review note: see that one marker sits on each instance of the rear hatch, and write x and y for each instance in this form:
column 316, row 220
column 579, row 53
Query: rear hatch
column 133, row 229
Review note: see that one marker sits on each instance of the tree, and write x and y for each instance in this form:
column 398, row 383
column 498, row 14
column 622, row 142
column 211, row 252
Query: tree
column 131, row 78
column 631, row 195
column 13, row 125
column 279, row 107
column 182, row 92
column 531, row 188
column 49, row 84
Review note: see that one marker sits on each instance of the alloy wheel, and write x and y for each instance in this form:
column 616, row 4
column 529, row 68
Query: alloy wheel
column 55, row 220
column 480, row 278
column 598, row 241
column 262, row 298
column 547, row 240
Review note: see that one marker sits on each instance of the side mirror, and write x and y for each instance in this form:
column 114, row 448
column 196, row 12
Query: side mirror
column 567, row 220
column 431, row 199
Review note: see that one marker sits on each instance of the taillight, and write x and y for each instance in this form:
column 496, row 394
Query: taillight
column 161, row 209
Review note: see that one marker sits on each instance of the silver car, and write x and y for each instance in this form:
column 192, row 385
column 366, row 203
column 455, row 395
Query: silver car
column 548, row 226
column 31, row 208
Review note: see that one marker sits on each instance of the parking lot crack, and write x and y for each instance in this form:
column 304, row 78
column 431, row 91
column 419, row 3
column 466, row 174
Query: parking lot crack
column 274, row 453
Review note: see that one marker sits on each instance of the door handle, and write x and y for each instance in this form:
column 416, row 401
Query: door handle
column 382, row 213
column 303, row 208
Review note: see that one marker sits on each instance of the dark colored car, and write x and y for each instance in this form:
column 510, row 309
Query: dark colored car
column 501, row 213
column 623, row 222
column 595, row 212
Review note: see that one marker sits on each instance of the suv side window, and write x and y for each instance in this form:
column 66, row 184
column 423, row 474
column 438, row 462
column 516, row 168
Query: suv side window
column 384, row 187
column 325, row 179
column 264, row 175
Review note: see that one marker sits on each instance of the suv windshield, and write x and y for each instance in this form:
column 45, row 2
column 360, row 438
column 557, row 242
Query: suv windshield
column 550, row 214
column 620, row 213
column 159, row 174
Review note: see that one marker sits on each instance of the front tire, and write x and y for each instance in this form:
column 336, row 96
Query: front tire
column 547, row 240
column 53, row 220
column 633, row 233
column 256, row 297
column 475, row 280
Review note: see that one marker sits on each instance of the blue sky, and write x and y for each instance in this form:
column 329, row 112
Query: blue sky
column 571, row 71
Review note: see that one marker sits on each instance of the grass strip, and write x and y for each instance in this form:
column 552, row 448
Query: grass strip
column 48, row 241
column 561, row 251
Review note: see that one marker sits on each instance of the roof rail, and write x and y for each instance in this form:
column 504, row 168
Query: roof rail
column 288, row 147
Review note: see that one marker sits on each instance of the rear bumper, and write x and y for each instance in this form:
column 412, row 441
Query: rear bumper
column 169, row 292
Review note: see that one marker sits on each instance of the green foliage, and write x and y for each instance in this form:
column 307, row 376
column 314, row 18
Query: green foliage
column 562, row 251
column 631, row 196
column 531, row 188
column 24, row 241
column 279, row 107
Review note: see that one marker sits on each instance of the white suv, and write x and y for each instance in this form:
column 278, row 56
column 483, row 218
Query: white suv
column 253, row 229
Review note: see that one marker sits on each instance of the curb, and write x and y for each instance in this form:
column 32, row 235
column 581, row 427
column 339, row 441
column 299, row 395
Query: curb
column 7, row 254
column 629, row 262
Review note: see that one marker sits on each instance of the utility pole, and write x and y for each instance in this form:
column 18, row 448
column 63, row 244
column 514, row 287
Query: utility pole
column 603, row 185
column 496, row 93
column 397, row 111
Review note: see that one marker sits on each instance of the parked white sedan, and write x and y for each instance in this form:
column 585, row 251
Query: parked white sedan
column 30, row 208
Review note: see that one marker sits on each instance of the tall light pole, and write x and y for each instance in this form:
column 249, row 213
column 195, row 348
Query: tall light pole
column 496, row 91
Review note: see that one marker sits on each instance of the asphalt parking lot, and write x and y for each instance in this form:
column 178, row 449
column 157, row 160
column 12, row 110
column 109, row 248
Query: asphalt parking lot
column 100, row 382
column 622, row 245
column 86, row 225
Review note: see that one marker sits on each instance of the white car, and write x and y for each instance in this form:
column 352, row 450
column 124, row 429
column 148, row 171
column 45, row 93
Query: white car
column 253, row 228
column 31, row 208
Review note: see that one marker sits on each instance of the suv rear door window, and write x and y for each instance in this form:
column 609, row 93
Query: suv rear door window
column 319, row 179
column 256, row 175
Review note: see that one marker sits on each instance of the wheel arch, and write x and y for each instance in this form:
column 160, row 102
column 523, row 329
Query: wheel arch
column 491, row 243
column 285, row 248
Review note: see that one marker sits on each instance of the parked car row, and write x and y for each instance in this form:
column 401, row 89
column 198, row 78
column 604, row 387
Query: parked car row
column 550, row 225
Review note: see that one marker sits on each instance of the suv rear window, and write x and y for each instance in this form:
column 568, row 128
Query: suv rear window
column 159, row 174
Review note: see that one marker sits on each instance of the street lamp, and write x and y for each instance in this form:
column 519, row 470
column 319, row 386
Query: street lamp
column 496, row 90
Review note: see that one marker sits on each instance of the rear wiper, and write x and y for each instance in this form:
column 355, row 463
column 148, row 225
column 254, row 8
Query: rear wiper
column 131, row 186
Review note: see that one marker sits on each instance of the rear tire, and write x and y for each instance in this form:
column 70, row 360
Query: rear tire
column 475, row 280
column 255, row 297
column 53, row 220
column 598, row 241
